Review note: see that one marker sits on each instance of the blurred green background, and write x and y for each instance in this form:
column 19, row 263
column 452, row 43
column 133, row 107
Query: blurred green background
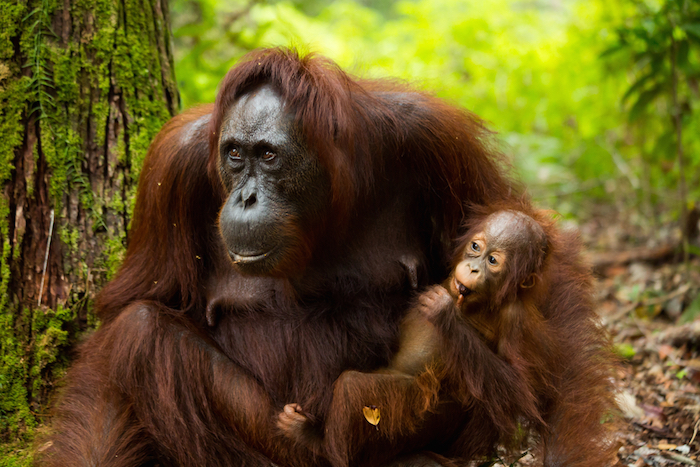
column 588, row 97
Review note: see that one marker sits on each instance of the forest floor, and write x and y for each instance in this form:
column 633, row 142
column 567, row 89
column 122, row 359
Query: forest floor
column 650, row 307
column 649, row 301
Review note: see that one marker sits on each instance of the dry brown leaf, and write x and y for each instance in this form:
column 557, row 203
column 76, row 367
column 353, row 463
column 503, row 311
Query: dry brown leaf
column 665, row 350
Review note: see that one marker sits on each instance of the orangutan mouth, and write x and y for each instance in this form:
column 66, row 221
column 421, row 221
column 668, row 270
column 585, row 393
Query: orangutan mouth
column 462, row 289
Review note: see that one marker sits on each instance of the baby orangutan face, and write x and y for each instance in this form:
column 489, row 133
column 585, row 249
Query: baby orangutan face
column 489, row 255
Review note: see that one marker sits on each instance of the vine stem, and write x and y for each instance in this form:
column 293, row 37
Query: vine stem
column 46, row 258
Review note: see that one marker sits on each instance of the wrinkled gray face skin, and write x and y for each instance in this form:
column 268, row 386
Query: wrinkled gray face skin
column 277, row 188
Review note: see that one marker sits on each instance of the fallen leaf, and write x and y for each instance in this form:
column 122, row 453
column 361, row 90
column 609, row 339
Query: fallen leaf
column 666, row 446
column 665, row 350
column 371, row 413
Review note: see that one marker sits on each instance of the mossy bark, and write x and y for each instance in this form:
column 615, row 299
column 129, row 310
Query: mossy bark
column 84, row 87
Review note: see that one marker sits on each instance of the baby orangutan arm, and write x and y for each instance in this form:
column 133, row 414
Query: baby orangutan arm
column 473, row 372
column 404, row 397
column 350, row 435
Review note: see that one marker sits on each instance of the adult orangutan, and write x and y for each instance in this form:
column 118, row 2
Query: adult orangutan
column 276, row 240
column 504, row 270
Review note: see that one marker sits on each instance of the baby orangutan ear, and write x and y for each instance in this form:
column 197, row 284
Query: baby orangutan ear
column 529, row 281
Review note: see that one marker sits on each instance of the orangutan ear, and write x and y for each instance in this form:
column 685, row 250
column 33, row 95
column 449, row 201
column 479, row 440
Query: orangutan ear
column 529, row 281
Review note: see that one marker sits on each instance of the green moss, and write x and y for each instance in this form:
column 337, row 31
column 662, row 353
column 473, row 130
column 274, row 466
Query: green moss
column 100, row 112
column 69, row 236
column 53, row 329
column 112, row 257
column 134, row 58
column 67, row 92
column 16, row 419
column 12, row 104
column 13, row 101
column 15, row 416
column 17, row 454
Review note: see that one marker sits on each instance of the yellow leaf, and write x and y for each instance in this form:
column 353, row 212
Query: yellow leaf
column 371, row 413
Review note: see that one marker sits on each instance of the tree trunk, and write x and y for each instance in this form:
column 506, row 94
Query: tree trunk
column 84, row 87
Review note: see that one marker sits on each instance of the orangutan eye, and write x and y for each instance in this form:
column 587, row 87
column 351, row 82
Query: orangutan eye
column 233, row 154
column 493, row 260
column 475, row 246
column 269, row 156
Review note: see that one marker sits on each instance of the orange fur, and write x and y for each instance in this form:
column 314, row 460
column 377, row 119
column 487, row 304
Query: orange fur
column 194, row 359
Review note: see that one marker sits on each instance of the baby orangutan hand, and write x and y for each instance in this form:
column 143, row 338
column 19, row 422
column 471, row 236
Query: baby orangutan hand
column 434, row 301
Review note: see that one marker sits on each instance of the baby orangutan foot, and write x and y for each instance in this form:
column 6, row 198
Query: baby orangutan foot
column 298, row 426
column 292, row 421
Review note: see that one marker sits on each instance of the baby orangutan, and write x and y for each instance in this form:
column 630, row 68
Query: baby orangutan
column 494, row 267
column 480, row 335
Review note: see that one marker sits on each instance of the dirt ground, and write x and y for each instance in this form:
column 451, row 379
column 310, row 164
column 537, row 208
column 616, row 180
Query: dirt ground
column 649, row 300
column 642, row 306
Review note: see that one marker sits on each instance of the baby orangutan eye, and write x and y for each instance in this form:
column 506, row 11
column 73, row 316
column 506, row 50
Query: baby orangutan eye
column 493, row 260
column 475, row 246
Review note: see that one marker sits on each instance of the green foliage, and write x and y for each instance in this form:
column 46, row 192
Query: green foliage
column 530, row 70
column 14, row 410
column 209, row 36
column 15, row 414
column 537, row 71
column 651, row 42
column 660, row 45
